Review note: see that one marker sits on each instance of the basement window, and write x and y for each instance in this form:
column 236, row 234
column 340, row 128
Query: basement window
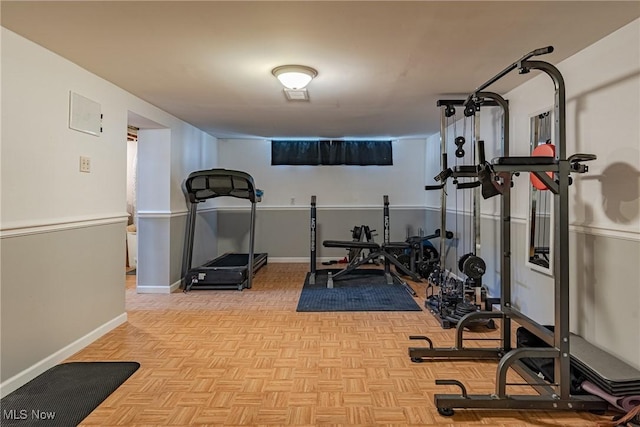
column 331, row 153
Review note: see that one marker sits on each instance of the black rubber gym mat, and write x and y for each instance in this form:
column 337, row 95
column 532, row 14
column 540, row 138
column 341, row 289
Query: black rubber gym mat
column 65, row 394
column 361, row 290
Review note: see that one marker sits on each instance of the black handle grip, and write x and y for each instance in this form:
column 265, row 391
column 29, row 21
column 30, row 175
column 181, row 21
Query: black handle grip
column 467, row 185
column 542, row 51
column 442, row 176
column 433, row 187
column 481, row 156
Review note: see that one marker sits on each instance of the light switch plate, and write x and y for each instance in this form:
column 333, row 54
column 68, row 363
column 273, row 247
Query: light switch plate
column 85, row 164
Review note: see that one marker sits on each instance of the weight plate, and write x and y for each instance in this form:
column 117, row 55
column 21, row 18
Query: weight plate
column 474, row 267
column 429, row 253
column 405, row 260
column 356, row 233
column 462, row 260
column 425, row 269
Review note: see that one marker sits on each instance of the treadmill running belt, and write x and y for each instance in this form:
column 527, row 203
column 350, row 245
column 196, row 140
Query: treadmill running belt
column 233, row 260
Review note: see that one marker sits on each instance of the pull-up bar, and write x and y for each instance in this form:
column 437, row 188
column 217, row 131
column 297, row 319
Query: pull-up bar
column 501, row 74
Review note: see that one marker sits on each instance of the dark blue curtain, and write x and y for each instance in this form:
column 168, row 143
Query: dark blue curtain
column 295, row 153
column 332, row 152
column 367, row 153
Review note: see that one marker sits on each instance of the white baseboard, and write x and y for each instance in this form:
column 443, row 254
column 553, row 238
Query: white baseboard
column 155, row 289
column 30, row 373
column 277, row 260
column 175, row 286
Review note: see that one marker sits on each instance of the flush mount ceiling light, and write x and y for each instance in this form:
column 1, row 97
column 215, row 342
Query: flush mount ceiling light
column 294, row 76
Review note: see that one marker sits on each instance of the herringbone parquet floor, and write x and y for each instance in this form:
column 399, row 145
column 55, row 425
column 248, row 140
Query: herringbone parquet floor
column 230, row 358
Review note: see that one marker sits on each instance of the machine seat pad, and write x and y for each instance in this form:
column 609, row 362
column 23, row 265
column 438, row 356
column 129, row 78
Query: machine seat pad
column 524, row 160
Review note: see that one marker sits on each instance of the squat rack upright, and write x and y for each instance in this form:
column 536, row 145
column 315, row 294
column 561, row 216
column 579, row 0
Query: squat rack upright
column 556, row 396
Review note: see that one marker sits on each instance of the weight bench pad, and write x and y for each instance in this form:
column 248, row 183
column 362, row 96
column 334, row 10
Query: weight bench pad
column 350, row 244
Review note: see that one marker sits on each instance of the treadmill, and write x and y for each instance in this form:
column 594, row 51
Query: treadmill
column 231, row 270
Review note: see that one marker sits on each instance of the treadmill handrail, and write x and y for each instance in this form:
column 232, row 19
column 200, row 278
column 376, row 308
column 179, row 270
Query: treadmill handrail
column 207, row 184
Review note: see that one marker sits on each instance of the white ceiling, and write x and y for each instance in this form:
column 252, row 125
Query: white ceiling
column 382, row 65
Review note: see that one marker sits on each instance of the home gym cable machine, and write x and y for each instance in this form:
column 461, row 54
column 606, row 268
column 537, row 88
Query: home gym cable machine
column 456, row 296
column 495, row 178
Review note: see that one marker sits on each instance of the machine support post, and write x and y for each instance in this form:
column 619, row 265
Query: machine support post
column 443, row 192
column 251, row 245
column 313, row 242
column 187, row 254
column 386, row 233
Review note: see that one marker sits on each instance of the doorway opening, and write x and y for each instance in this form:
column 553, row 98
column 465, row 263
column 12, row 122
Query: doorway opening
column 131, row 264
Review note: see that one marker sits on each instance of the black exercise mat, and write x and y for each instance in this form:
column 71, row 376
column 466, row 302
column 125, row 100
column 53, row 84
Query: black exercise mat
column 361, row 290
column 603, row 364
column 65, row 394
